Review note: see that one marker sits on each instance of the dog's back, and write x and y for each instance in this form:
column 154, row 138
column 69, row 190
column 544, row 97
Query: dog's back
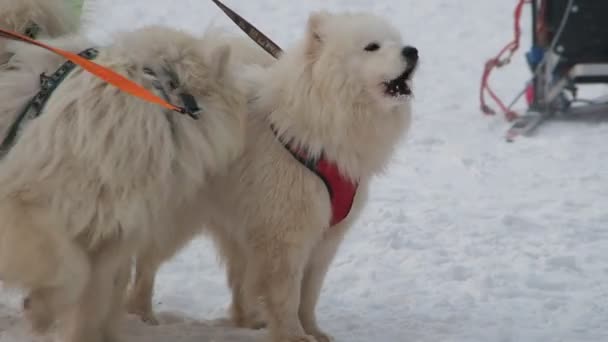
column 134, row 144
column 20, row 77
column 35, row 18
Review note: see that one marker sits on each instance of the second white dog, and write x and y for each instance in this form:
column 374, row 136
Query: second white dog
column 325, row 119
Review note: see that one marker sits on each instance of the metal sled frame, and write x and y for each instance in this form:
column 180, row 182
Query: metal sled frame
column 575, row 54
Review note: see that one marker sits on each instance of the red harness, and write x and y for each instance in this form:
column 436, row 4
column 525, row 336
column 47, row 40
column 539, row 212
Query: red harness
column 341, row 190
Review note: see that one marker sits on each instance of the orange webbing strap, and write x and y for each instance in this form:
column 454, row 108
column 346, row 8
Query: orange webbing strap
column 104, row 73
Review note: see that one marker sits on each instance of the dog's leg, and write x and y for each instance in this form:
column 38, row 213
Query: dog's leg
column 117, row 309
column 314, row 276
column 148, row 261
column 45, row 304
column 40, row 257
column 247, row 309
column 89, row 320
column 276, row 268
column 243, row 311
column 140, row 296
column 235, row 269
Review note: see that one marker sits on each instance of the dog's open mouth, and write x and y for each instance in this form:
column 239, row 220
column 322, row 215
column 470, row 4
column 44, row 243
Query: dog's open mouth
column 398, row 87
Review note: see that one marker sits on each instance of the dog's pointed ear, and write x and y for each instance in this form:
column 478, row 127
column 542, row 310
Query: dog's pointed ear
column 220, row 59
column 315, row 31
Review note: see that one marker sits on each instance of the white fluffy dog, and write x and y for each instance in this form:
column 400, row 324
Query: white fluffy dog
column 101, row 172
column 325, row 119
column 36, row 19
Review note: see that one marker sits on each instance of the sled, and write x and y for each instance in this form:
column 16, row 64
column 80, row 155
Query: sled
column 569, row 49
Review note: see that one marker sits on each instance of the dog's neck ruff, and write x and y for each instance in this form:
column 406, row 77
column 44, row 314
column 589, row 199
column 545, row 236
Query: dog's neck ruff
column 341, row 189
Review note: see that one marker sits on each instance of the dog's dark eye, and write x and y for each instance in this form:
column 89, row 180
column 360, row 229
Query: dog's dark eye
column 372, row 47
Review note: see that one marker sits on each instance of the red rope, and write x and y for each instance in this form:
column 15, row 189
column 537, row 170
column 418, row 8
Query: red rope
column 499, row 61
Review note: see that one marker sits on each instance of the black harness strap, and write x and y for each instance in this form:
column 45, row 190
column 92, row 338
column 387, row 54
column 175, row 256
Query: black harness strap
column 168, row 79
column 156, row 83
column 32, row 110
column 32, row 30
column 342, row 191
column 302, row 158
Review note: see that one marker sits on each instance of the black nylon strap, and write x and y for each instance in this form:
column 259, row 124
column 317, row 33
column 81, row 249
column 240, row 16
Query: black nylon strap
column 34, row 107
column 32, row 30
column 261, row 39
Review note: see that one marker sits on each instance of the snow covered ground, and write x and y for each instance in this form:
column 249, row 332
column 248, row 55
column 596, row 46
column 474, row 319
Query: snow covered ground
column 466, row 239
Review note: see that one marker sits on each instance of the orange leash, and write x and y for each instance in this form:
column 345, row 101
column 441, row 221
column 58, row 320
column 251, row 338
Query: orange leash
column 103, row 73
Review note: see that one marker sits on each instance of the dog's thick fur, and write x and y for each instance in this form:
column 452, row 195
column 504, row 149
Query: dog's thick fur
column 100, row 172
column 53, row 17
column 269, row 214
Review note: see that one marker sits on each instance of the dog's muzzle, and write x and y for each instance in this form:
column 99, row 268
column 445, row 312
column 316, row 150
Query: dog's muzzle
column 399, row 86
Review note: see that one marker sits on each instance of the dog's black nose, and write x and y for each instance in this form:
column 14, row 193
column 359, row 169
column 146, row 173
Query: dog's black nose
column 410, row 53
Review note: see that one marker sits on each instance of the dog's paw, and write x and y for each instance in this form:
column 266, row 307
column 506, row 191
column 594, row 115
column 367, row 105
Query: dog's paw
column 248, row 321
column 304, row 338
column 38, row 314
column 148, row 318
column 318, row 333
column 254, row 323
column 112, row 336
column 321, row 336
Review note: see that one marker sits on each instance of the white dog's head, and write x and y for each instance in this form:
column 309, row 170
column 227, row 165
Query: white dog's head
column 344, row 90
column 366, row 52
